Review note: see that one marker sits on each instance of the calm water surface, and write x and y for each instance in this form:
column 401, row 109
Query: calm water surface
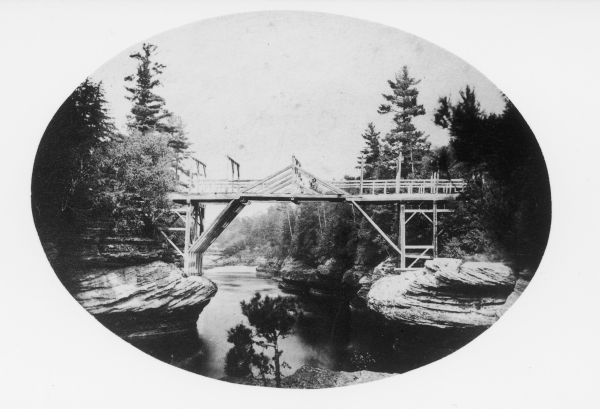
column 327, row 336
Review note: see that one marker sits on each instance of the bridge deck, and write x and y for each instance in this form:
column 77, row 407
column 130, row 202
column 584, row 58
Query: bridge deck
column 368, row 191
column 293, row 183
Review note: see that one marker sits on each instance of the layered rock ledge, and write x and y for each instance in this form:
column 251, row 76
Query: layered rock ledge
column 447, row 293
column 324, row 280
column 142, row 300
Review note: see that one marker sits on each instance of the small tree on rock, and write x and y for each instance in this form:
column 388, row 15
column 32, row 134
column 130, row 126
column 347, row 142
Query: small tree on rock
column 272, row 319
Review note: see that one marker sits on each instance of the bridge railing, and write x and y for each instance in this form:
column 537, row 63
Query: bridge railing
column 403, row 186
column 221, row 186
column 353, row 187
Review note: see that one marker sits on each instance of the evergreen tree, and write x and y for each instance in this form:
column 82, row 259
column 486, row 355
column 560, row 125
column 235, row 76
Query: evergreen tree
column 272, row 318
column 505, row 210
column 178, row 141
column 371, row 153
column 148, row 112
column 467, row 124
column 239, row 358
column 404, row 137
column 67, row 155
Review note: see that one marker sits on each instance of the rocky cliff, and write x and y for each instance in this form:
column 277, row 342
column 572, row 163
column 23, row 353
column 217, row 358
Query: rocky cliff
column 128, row 282
column 140, row 300
column 447, row 293
column 323, row 280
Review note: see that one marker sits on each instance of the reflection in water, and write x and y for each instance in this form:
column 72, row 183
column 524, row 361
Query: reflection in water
column 326, row 337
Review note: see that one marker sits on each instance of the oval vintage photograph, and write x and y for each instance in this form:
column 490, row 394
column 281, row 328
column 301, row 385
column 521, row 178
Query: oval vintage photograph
column 291, row 199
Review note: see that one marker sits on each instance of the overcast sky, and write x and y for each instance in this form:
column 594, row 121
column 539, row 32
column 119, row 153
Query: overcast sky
column 263, row 86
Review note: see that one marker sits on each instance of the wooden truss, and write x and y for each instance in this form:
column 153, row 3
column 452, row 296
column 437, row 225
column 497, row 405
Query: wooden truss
column 292, row 183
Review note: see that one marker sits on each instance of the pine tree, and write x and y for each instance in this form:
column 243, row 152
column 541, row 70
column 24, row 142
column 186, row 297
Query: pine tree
column 148, row 111
column 273, row 318
column 178, row 141
column 67, row 154
column 404, row 137
column 466, row 123
column 371, row 153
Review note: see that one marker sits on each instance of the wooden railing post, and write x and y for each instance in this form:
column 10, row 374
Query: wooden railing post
column 435, row 230
column 362, row 166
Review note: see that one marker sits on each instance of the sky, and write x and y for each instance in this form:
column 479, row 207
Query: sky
column 264, row 86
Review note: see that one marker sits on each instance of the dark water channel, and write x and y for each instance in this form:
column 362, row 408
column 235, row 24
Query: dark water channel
column 328, row 336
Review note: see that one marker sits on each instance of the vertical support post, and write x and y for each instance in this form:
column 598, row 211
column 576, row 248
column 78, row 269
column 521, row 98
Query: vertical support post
column 435, row 230
column 399, row 170
column 362, row 165
column 186, row 248
column 402, row 234
column 199, row 231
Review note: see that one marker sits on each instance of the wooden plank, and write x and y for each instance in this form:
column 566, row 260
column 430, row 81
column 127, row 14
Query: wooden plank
column 402, row 235
column 418, row 257
column 186, row 249
column 326, row 184
column 434, row 232
column 171, row 243
column 428, row 210
column 267, row 185
column 287, row 181
column 267, row 178
column 381, row 232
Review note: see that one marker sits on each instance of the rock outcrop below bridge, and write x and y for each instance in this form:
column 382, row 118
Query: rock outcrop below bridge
column 448, row 293
column 142, row 300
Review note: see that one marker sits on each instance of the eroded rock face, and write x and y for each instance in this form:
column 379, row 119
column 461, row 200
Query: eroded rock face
column 269, row 267
column 323, row 281
column 137, row 298
column 446, row 294
column 296, row 271
column 99, row 250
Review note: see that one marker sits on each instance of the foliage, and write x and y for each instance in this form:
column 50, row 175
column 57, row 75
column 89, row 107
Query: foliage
column 134, row 178
column 67, row 156
column 240, row 357
column 361, row 360
column 404, row 137
column 371, row 153
column 178, row 142
column 148, row 111
column 506, row 209
column 272, row 319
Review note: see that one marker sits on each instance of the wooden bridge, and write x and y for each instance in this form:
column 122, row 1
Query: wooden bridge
column 295, row 184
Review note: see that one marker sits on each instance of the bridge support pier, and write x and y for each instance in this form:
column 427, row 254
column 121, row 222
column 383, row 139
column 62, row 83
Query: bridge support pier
column 401, row 211
column 194, row 227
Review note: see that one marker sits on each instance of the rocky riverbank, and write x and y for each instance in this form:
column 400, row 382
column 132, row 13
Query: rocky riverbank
column 129, row 283
column 308, row 377
column 446, row 293
column 142, row 300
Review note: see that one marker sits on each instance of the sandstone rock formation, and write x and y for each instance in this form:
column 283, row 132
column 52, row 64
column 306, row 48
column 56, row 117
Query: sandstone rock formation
column 448, row 293
column 269, row 267
column 153, row 297
column 324, row 280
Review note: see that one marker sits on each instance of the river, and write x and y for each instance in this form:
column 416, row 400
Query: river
column 327, row 337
